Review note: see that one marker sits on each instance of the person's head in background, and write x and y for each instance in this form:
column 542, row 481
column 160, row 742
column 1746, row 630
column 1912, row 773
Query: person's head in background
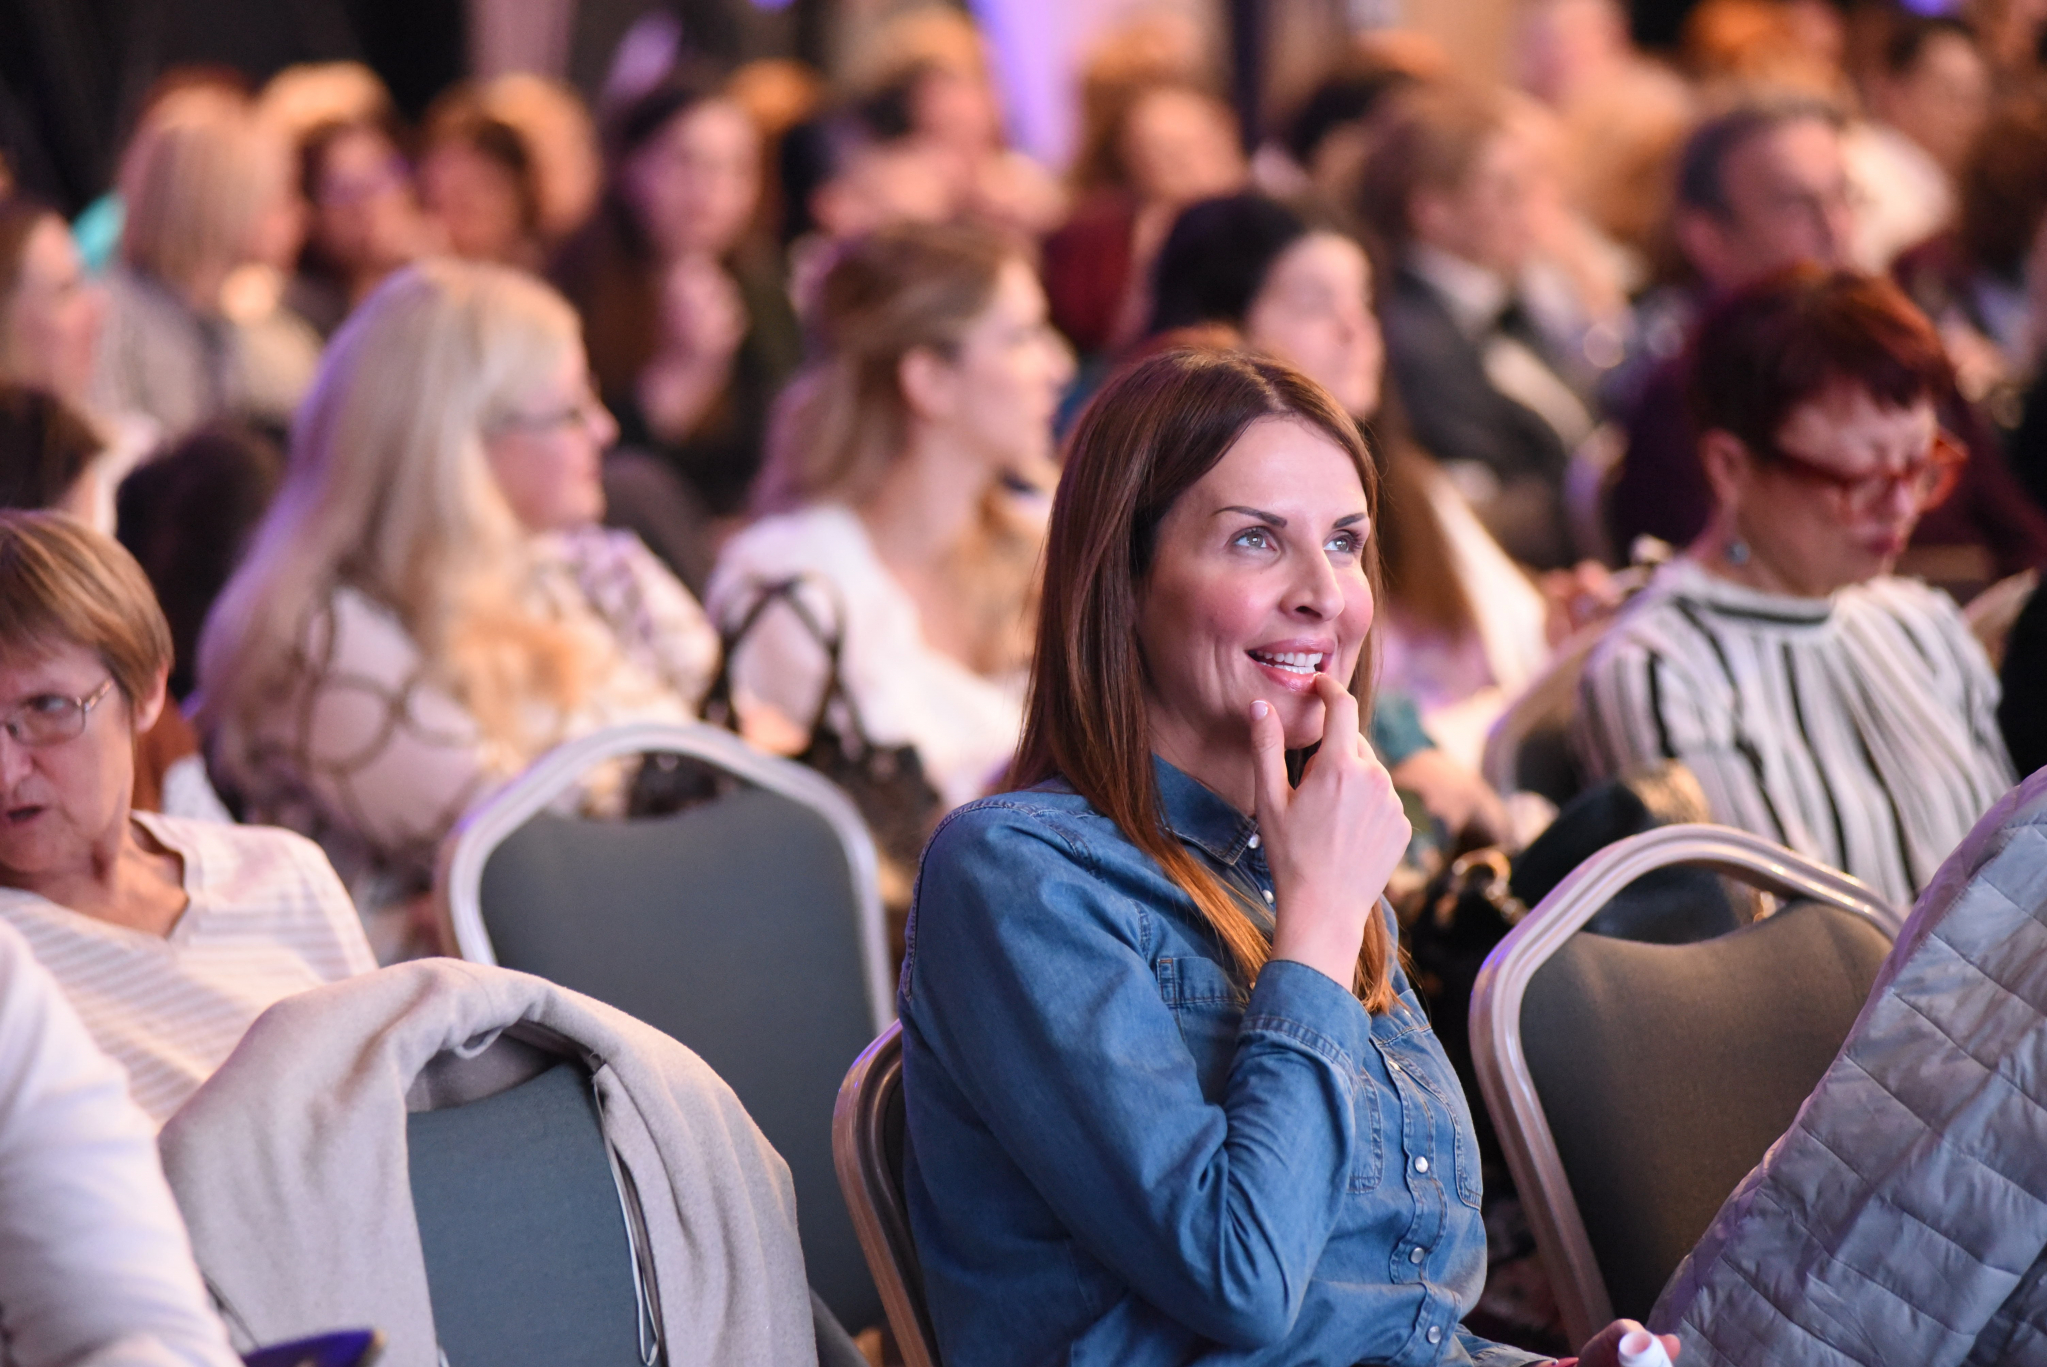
column 858, row 169
column 1451, row 174
column 1933, row 86
column 1816, row 393
column 83, row 654
column 363, row 219
column 2002, row 218
column 1169, row 144
column 1566, row 47
column 684, row 171
column 187, row 516
column 2013, row 34
column 934, row 351
column 1764, row 45
column 1299, row 292
column 46, row 454
column 1332, row 131
column 560, row 139
column 479, row 184
column 50, row 313
column 451, row 423
column 934, row 62
column 207, row 188
column 1760, row 188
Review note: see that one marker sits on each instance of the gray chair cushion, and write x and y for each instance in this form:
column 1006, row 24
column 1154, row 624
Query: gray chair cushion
column 526, row 1252
column 730, row 926
column 1666, row 1071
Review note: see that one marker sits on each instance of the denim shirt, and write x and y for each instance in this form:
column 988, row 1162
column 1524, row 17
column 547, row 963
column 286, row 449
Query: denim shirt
column 1117, row 1155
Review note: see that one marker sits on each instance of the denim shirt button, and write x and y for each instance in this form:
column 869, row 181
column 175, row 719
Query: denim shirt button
column 1268, row 897
column 1253, row 841
column 1421, row 1165
column 1435, row 1333
column 1414, row 1255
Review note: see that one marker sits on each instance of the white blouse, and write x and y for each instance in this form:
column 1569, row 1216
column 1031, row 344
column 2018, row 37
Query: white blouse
column 377, row 762
column 963, row 724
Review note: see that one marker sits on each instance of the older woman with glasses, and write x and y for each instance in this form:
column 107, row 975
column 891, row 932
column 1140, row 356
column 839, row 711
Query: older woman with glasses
column 168, row 935
column 1823, row 702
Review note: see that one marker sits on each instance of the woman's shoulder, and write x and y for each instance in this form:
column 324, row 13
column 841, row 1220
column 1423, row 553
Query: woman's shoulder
column 1050, row 817
column 824, row 540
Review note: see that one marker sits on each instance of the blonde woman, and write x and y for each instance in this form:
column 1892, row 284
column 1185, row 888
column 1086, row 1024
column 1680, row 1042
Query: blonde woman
column 898, row 486
column 429, row 604
column 196, row 329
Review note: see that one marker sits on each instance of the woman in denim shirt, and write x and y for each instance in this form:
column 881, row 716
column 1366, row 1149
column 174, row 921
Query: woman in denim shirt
column 1170, row 1098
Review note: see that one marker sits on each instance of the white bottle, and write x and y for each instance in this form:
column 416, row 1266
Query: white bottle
column 1640, row 1348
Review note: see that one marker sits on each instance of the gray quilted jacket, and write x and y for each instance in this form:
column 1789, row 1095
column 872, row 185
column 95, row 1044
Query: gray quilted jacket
column 1903, row 1217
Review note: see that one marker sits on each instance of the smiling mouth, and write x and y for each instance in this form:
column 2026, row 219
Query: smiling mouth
column 1303, row 662
column 16, row 816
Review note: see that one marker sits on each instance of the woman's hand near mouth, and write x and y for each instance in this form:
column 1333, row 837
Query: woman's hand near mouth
column 1333, row 841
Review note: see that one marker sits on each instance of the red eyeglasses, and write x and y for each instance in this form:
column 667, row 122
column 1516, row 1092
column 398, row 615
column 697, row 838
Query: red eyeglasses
column 1929, row 479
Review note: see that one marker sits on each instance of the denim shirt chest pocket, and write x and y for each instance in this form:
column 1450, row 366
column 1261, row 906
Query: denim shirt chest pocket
column 1433, row 1114
column 1208, row 1005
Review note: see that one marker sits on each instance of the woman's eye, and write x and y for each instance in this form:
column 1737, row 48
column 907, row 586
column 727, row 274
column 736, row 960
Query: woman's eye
column 1346, row 543
column 46, row 705
column 1257, row 538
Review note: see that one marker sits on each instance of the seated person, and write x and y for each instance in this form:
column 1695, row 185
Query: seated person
column 428, row 605
column 1822, row 702
column 1450, row 189
column 1170, row 1097
column 890, row 488
column 169, row 935
column 85, row 1203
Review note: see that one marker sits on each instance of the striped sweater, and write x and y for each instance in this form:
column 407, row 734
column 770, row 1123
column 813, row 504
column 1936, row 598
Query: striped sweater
column 267, row 918
column 1858, row 729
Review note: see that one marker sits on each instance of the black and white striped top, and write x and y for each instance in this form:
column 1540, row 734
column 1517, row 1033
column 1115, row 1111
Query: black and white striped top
column 1858, row 729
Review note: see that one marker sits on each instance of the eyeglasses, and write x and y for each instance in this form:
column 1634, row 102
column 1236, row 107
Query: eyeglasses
column 52, row 718
column 586, row 412
column 1929, row 480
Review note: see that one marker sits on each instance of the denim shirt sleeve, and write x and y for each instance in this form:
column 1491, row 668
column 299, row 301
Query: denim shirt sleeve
column 1031, row 980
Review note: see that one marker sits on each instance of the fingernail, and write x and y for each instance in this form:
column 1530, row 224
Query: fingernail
column 1259, row 710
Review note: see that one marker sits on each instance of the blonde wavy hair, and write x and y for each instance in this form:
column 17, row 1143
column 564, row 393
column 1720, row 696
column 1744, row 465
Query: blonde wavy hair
column 843, row 421
column 389, row 492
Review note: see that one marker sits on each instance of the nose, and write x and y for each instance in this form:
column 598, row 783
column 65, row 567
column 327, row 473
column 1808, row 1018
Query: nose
column 1316, row 594
column 15, row 761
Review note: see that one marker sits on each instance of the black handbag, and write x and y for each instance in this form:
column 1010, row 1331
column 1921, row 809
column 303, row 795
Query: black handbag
column 887, row 783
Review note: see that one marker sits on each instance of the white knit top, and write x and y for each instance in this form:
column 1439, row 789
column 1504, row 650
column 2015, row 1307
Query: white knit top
column 1859, row 729
column 267, row 918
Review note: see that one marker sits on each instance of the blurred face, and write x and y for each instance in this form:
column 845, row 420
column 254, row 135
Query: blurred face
column 1315, row 313
column 50, row 324
column 953, row 108
column 694, row 184
column 61, row 802
column 1257, row 585
column 1941, row 103
column 363, row 212
column 1180, row 147
column 547, row 455
column 1001, row 390
column 1787, row 201
column 1840, row 505
column 476, row 201
column 1485, row 219
column 908, row 181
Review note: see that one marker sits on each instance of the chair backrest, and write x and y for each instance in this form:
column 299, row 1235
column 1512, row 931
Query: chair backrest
column 1529, row 746
column 748, row 927
column 867, row 1143
column 1633, row 1085
column 524, row 1226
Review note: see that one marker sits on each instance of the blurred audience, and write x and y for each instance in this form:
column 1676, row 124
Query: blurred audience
column 363, row 220
column 168, row 935
column 197, row 328
column 905, row 488
column 429, row 604
column 1152, row 145
column 690, row 332
column 1928, row 101
column 1448, row 192
column 1823, row 702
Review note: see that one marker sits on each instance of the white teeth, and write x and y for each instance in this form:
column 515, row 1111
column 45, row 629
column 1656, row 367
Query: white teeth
column 1294, row 662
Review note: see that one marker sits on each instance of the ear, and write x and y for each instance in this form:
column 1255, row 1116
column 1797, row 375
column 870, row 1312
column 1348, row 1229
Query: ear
column 150, row 706
column 1728, row 466
column 930, row 384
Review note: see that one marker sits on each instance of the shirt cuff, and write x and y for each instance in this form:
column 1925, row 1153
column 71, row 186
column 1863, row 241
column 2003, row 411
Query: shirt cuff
column 1311, row 1008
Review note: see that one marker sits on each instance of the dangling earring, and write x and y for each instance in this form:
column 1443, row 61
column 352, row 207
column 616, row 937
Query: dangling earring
column 1737, row 552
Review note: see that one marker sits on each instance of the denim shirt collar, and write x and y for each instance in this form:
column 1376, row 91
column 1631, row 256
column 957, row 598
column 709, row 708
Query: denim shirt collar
column 1198, row 816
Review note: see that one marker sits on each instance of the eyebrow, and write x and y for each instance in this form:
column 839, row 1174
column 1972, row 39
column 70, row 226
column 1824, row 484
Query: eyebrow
column 1276, row 520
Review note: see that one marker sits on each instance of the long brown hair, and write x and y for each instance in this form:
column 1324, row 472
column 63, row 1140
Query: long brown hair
column 1147, row 438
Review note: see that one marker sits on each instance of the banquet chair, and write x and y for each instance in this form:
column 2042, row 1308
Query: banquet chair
column 867, row 1144
column 1633, row 1084
column 747, row 926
